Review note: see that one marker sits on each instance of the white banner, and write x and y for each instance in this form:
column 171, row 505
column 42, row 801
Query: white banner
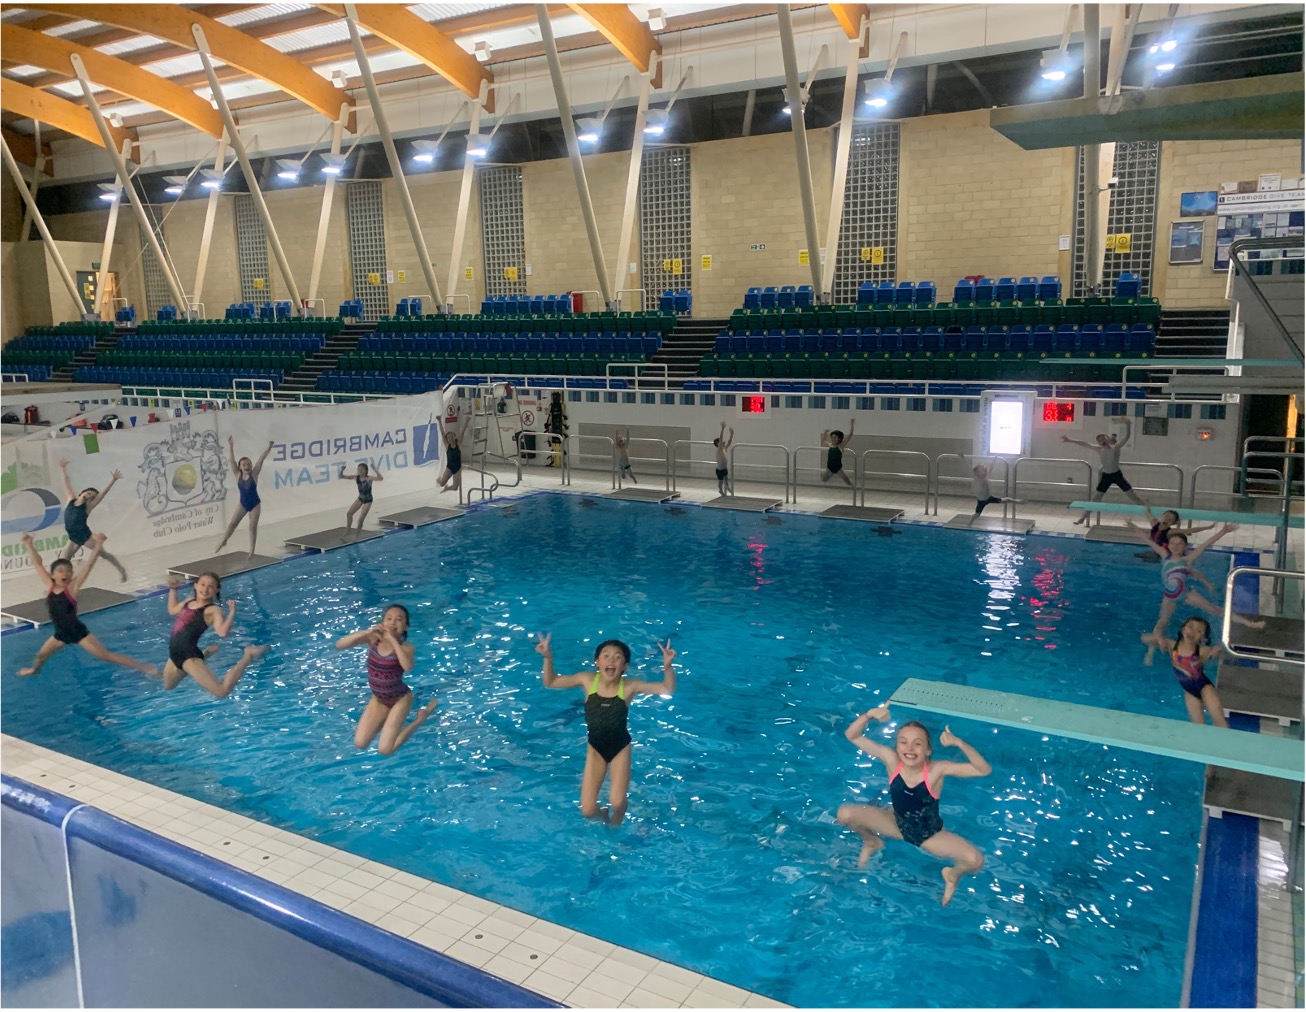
column 177, row 484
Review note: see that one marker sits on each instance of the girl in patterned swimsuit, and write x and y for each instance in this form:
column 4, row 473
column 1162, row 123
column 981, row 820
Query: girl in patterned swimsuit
column 607, row 696
column 914, row 787
column 389, row 658
column 1188, row 657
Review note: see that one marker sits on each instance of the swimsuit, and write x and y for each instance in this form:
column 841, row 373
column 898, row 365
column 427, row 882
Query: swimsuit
column 721, row 473
column 981, row 503
column 915, row 808
column 454, row 459
column 605, row 716
column 385, row 677
column 1109, row 478
column 68, row 628
column 248, row 488
column 74, row 522
column 364, row 490
column 1188, row 670
column 183, row 644
column 834, row 460
column 983, row 494
column 1174, row 578
column 1159, row 535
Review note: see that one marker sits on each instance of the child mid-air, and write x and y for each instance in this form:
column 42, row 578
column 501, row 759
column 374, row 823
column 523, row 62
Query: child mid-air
column 621, row 446
column 836, row 441
column 724, row 485
column 362, row 479
column 451, row 478
column 78, row 511
column 191, row 620
column 62, row 586
column 1108, row 450
column 1188, row 656
column 983, row 494
column 607, row 696
column 389, row 657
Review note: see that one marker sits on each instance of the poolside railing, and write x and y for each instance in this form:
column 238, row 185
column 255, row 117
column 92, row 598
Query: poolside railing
column 1068, row 487
column 967, row 464
column 910, row 476
column 798, row 468
column 664, row 460
column 759, row 465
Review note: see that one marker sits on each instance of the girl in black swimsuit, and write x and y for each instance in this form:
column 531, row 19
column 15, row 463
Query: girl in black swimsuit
column 191, row 620
column 607, row 698
column 835, row 441
column 62, row 588
column 451, row 478
column 914, row 787
column 363, row 478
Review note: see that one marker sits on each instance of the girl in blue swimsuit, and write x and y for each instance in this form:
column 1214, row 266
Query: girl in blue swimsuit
column 607, row 705
column 62, row 587
column 191, row 620
column 246, row 472
column 389, row 657
column 1188, row 657
column 915, row 784
column 76, row 514
column 362, row 478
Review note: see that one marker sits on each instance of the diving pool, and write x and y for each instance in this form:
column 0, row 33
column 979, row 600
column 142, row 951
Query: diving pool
column 729, row 862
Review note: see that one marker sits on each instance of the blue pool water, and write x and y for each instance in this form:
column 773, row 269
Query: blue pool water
column 730, row 862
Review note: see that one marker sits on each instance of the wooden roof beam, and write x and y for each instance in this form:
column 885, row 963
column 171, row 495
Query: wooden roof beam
column 24, row 148
column 52, row 53
column 632, row 37
column 58, row 113
column 850, row 17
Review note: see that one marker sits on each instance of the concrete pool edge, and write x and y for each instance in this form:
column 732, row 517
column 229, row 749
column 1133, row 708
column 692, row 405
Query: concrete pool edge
column 499, row 940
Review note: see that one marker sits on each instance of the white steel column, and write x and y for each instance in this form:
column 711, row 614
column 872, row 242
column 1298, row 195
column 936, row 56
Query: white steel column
column 800, row 143
column 251, row 179
column 396, row 166
column 206, row 237
column 50, row 247
column 837, row 190
column 324, row 219
column 37, row 171
column 106, row 252
column 630, row 208
column 124, row 177
column 573, row 153
column 1094, row 217
column 464, row 203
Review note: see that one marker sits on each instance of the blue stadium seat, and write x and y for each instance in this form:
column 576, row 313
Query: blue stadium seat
column 770, row 296
column 984, row 290
column 926, row 293
column 1027, row 290
column 785, row 298
column 1127, row 286
column 804, row 298
column 1005, row 290
column 753, row 298
column 963, row 291
column 866, row 293
column 1049, row 289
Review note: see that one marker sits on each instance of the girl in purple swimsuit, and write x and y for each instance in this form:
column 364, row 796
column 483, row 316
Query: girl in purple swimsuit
column 389, row 658
column 1188, row 657
column 246, row 472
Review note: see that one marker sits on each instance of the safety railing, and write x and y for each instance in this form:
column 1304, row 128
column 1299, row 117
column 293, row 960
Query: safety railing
column 449, row 301
column 645, row 375
column 664, row 460
column 15, row 377
column 195, row 310
column 585, row 291
column 1226, row 619
column 1169, row 492
column 1236, row 493
column 950, row 388
column 683, row 459
column 797, row 468
column 1069, row 488
column 643, row 297
column 758, row 464
column 1289, row 449
column 902, row 455
column 577, row 458
column 968, row 463
column 257, row 391
column 1159, row 390
column 307, row 306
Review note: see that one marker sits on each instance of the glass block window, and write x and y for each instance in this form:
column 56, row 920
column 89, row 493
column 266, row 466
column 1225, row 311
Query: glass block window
column 157, row 292
column 664, row 222
column 251, row 252
column 970, row 405
column 365, row 211
column 816, row 403
column 865, row 403
column 889, row 403
column 1213, row 412
column 870, row 211
column 1132, row 212
column 503, row 229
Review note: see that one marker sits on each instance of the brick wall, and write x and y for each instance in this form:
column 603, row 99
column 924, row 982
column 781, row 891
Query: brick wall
column 435, row 196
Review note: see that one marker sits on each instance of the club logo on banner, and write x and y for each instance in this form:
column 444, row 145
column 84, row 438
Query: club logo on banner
column 182, row 472
column 426, row 443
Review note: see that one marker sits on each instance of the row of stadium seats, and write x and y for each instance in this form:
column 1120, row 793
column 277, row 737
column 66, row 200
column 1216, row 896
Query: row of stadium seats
column 534, row 305
column 522, row 344
column 35, row 356
column 381, row 382
column 50, row 342
column 35, row 373
column 901, row 367
column 1075, row 311
column 287, row 361
column 561, row 365
column 590, row 323
column 75, row 327
column 302, row 343
column 240, row 327
column 151, row 377
column 1116, row 341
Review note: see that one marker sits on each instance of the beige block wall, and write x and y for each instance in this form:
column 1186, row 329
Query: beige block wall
column 972, row 202
column 1188, row 166
column 745, row 191
column 435, row 197
column 11, row 209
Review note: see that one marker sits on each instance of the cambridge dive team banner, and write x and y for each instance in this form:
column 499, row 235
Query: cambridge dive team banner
column 177, row 485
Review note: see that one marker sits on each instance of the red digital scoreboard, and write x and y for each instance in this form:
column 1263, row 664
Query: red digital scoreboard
column 752, row 405
column 1058, row 411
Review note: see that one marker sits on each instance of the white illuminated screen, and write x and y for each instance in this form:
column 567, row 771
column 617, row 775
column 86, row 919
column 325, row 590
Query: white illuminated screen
column 1006, row 427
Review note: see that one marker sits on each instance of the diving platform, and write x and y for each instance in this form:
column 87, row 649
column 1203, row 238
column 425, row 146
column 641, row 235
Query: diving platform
column 1114, row 535
column 643, row 495
column 748, row 504
column 420, row 517
column 229, row 564
column 1214, row 516
column 990, row 525
column 1264, row 691
column 91, row 599
column 1263, row 754
column 875, row 514
column 1242, row 793
column 336, row 537
column 1281, row 637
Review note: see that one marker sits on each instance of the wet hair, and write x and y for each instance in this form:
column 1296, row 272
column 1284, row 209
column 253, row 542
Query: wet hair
column 1206, row 628
column 398, row 607
column 837, row 434
column 625, row 650
column 216, row 579
column 717, row 441
column 61, row 564
column 929, row 742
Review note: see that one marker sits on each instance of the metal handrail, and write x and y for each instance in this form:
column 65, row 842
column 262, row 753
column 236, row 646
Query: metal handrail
column 1178, row 490
column 677, row 460
column 610, row 456
column 963, row 457
column 1236, row 263
column 666, row 458
column 191, row 314
column 1226, row 618
column 1237, row 494
column 643, row 296
column 1074, row 461
column 796, row 467
column 448, row 302
column 734, row 475
column 1287, row 452
column 587, row 291
column 16, row 377
column 310, row 303
column 896, row 474
column 550, row 438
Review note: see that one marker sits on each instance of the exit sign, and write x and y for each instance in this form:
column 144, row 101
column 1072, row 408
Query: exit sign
column 757, row 247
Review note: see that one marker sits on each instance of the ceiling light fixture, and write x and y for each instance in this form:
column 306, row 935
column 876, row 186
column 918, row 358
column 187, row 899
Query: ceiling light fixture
column 176, row 184
column 424, row 151
column 483, row 52
column 655, row 122
column 656, row 19
column 288, row 168
column 332, row 164
column 478, row 145
column 880, row 90
column 108, row 191
column 1057, row 64
column 588, row 129
column 212, row 179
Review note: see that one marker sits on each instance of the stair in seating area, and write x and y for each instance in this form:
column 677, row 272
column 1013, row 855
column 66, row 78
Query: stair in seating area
column 64, row 374
column 683, row 349
column 1192, row 333
column 304, row 379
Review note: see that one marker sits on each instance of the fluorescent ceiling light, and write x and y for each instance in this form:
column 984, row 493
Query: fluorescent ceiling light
column 477, row 145
column 1057, row 65
column 789, row 106
column 424, row 151
column 288, row 168
column 588, row 129
column 108, row 191
column 878, row 93
column 176, row 184
column 212, row 179
column 332, row 165
column 655, row 122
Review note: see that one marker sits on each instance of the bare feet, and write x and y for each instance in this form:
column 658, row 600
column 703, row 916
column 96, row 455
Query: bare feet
column 869, row 848
column 26, row 672
column 254, row 653
column 1081, row 520
column 950, row 878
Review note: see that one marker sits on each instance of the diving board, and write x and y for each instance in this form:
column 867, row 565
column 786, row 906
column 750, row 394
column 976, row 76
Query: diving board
column 1115, row 535
column 90, row 599
column 223, row 565
column 336, row 537
column 1218, row 516
column 1265, row 691
column 1181, row 739
column 643, row 495
column 742, row 502
column 875, row 514
column 420, row 516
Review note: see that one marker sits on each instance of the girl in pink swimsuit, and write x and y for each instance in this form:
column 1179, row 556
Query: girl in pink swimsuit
column 389, row 657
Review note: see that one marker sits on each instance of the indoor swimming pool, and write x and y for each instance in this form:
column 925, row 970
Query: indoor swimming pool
column 730, row 863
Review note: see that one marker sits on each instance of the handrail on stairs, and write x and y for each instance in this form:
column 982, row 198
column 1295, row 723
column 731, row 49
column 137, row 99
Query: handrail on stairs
column 1237, row 263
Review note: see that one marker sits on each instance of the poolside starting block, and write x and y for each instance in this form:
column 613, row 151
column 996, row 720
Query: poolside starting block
column 336, row 537
column 420, row 517
column 1264, row 691
column 744, row 503
column 643, row 495
column 875, row 514
column 1280, row 637
column 1114, row 535
column 991, row 525
column 1242, row 793
column 224, row 565
column 89, row 600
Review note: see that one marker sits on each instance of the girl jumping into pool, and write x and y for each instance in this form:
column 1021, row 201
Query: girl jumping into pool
column 389, row 658
column 246, row 472
column 983, row 493
column 451, row 479
column 76, row 514
column 1178, row 569
column 914, row 788
column 62, row 586
column 1188, row 657
column 607, row 706
column 1159, row 534
column 836, row 441
column 363, row 479
column 191, row 619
